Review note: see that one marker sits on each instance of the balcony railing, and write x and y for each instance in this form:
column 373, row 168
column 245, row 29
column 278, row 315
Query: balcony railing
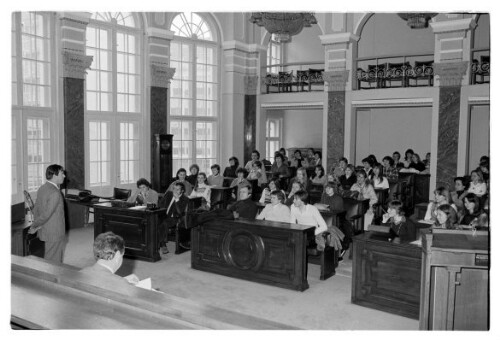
column 480, row 67
column 395, row 71
column 294, row 77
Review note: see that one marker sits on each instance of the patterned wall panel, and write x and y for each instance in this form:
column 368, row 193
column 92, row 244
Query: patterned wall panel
column 335, row 131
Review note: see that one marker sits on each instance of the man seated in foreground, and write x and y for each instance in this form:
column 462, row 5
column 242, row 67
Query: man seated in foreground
column 244, row 207
column 109, row 249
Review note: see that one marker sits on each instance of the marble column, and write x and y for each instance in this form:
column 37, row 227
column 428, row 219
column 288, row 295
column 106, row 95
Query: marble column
column 336, row 115
column 74, row 70
column 250, row 116
column 450, row 79
column 161, row 75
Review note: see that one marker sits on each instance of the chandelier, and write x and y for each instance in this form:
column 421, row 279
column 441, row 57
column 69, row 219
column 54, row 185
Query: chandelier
column 283, row 25
column 417, row 20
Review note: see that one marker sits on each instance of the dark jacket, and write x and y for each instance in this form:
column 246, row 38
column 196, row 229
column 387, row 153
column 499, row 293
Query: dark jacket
column 245, row 208
column 347, row 183
column 178, row 208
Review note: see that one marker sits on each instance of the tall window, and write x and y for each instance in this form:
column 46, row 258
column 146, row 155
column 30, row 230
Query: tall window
column 32, row 99
column 194, row 92
column 273, row 137
column 113, row 100
column 274, row 55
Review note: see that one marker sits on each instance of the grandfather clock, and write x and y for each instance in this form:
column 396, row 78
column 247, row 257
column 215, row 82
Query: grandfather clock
column 161, row 159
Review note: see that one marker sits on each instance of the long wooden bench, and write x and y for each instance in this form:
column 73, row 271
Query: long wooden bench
column 49, row 296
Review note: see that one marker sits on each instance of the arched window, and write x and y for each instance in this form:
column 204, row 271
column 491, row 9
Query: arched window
column 33, row 110
column 194, row 92
column 114, row 104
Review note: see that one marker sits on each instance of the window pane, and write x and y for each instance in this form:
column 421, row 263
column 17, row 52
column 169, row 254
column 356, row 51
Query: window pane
column 187, row 107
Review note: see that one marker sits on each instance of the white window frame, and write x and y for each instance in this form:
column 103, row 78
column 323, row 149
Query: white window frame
column 279, row 138
column 271, row 59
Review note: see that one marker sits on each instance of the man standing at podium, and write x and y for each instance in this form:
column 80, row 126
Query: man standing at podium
column 49, row 214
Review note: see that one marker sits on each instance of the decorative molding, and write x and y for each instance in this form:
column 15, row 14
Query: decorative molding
column 160, row 33
column 479, row 100
column 450, row 74
column 453, row 25
column 75, row 64
column 405, row 102
column 251, row 83
column 161, row 75
column 336, row 79
column 82, row 18
column 290, row 105
column 238, row 45
column 338, row 38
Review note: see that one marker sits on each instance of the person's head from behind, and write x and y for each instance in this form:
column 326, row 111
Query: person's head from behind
column 387, row 161
column 255, row 155
column 55, row 173
column 143, row 185
column 349, row 170
column 374, row 159
column 194, row 169
column 446, row 216
column 179, row 189
column 241, row 173
column 181, row 174
column 245, row 192
column 395, row 208
column 277, row 197
column 441, row 195
column 234, row 162
column 472, row 203
column 461, row 184
column 109, row 248
column 215, row 169
column 300, row 198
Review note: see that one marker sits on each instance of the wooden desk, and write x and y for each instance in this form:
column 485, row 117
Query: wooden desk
column 49, row 296
column 24, row 244
column 386, row 276
column 139, row 228
column 267, row 252
column 77, row 213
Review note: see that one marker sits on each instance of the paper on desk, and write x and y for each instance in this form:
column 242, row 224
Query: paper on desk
column 417, row 242
column 426, row 221
column 138, row 207
column 146, row 284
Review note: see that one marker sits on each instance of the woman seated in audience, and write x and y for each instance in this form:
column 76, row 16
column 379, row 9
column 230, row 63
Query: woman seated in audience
column 144, row 194
column 331, row 199
column 230, row 171
column 256, row 173
column 297, row 160
column 441, row 196
column 416, row 163
column 340, row 169
column 402, row 229
column 296, row 186
column 316, row 159
column 374, row 160
column 319, row 177
column 408, row 158
column 285, row 157
column 279, row 168
column 484, row 167
column 377, row 178
column 474, row 214
column 457, row 196
column 202, row 189
column 301, row 177
column 309, row 159
column 366, row 191
column 239, row 182
column 396, row 156
column 215, row 179
column 446, row 217
column 368, row 165
column 273, row 185
column 477, row 185
column 389, row 170
column 347, row 180
column 181, row 177
column 427, row 160
column 193, row 177
column 275, row 210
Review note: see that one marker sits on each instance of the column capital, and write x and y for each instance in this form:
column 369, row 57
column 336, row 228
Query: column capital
column 337, row 38
column 337, row 80
column 251, row 83
column 82, row 18
column 161, row 74
column 75, row 64
column 453, row 25
column 160, row 33
column 450, row 74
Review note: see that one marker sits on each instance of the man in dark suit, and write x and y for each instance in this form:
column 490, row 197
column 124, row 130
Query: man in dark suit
column 176, row 204
column 244, row 207
column 49, row 214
